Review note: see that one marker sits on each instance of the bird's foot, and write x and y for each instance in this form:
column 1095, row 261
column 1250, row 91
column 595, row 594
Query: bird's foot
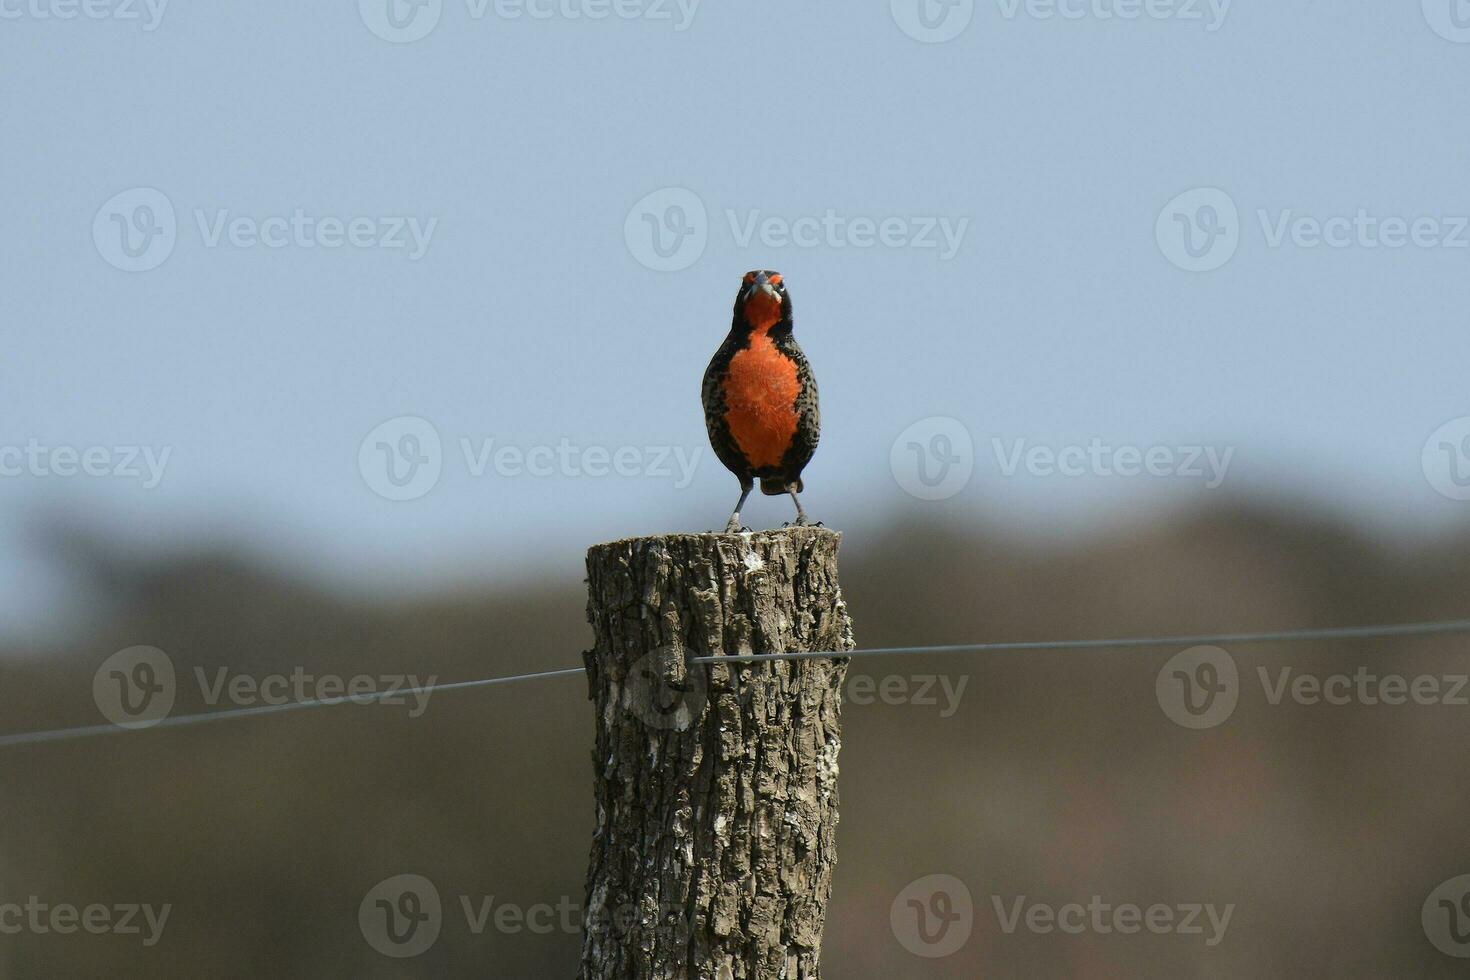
column 735, row 527
column 803, row 522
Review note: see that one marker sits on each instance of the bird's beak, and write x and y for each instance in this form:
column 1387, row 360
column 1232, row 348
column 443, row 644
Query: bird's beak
column 762, row 287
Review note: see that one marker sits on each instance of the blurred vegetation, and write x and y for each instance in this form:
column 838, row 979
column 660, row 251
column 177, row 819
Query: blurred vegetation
column 1057, row 778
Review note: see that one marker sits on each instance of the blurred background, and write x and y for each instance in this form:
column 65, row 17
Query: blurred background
column 336, row 333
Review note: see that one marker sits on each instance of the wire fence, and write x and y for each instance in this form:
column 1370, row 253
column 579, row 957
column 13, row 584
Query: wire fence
column 1282, row 636
column 1443, row 627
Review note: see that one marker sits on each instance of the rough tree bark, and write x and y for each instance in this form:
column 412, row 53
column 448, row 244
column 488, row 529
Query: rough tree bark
column 716, row 783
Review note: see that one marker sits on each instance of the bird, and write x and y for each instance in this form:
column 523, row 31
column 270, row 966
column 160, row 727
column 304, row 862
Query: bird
column 760, row 398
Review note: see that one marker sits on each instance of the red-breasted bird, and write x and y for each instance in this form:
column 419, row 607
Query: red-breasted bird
column 760, row 399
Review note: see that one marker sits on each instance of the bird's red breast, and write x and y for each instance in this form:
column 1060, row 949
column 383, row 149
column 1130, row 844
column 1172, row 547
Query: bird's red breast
column 760, row 388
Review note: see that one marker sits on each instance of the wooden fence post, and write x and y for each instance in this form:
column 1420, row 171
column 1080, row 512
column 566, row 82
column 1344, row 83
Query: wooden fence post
column 716, row 784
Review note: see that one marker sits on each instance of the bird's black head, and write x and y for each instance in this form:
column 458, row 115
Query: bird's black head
column 762, row 304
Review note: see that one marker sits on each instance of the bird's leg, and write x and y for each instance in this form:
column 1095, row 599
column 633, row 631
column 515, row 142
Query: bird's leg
column 733, row 526
column 801, row 519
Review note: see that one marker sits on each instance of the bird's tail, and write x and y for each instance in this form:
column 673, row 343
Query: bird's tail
column 776, row 487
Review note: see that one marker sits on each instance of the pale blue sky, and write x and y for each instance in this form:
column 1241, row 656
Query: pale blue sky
column 1056, row 144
